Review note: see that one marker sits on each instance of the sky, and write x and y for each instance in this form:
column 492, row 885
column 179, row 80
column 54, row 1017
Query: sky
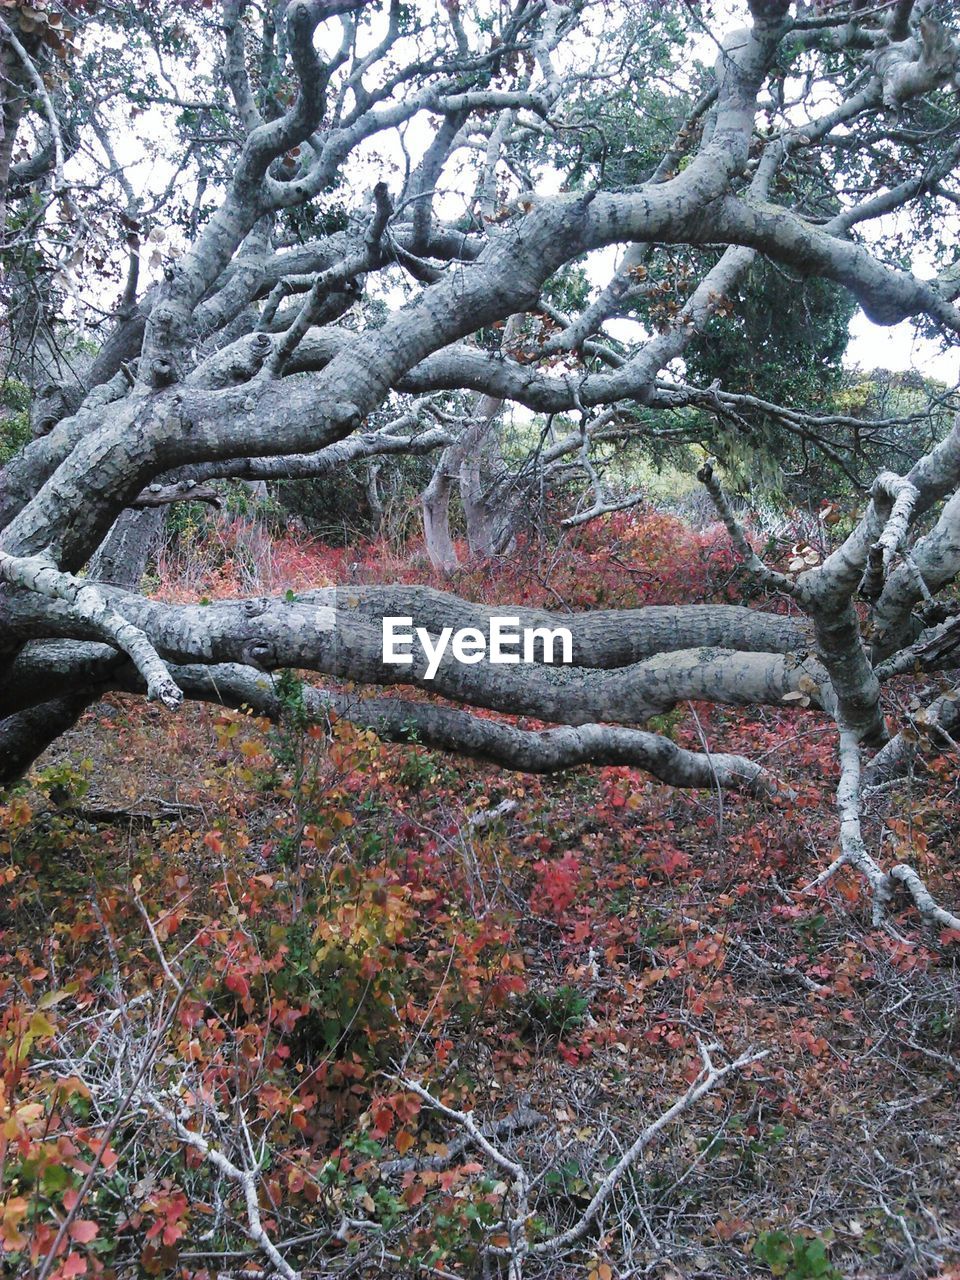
column 875, row 347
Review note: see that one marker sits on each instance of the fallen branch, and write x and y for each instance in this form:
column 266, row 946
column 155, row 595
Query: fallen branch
column 932, row 914
column 515, row 1221
column 521, row 1119
column 782, row 967
column 36, row 573
column 121, row 1113
column 526, row 750
column 709, row 1079
column 246, row 1179
column 853, row 851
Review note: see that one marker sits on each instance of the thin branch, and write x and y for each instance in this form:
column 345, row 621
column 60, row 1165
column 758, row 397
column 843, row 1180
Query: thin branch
column 710, row 1078
column 36, row 79
column 120, row 1115
column 769, row 577
column 246, row 1179
column 521, row 1183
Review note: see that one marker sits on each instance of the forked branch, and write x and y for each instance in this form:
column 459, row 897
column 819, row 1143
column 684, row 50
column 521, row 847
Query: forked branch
column 36, row 573
column 517, row 1202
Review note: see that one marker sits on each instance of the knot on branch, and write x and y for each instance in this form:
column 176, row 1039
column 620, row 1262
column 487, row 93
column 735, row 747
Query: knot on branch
column 383, row 209
column 256, row 606
column 258, row 654
column 163, row 372
column 344, row 414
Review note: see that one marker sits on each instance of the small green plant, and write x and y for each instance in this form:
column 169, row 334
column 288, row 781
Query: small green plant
column 567, row 1181
column 942, row 1025
column 14, row 418
column 418, row 770
column 666, row 724
column 555, row 1013
column 794, row 1257
column 65, row 783
column 810, row 931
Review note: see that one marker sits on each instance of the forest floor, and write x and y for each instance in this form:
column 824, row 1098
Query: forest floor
column 274, row 925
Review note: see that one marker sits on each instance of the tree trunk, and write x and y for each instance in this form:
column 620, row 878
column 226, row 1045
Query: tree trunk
column 122, row 560
column 25, row 736
column 436, row 513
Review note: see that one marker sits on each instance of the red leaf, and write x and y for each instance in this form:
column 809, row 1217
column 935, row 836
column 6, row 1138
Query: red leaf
column 238, row 984
column 75, row 1264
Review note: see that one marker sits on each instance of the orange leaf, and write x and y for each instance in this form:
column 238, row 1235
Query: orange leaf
column 383, row 1119
column 12, row 1214
column 75, row 1264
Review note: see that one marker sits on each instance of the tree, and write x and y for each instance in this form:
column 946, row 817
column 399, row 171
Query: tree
column 276, row 346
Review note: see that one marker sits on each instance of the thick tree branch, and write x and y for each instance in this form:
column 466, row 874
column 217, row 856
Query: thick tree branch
column 89, row 606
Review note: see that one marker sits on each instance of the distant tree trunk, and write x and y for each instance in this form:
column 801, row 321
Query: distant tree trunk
column 374, row 501
column 436, row 513
column 480, row 518
column 123, row 558
column 487, row 525
column 464, row 462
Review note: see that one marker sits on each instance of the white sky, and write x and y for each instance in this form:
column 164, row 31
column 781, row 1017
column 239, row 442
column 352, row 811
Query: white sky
column 875, row 347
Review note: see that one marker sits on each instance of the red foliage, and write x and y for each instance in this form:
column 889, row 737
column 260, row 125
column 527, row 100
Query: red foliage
column 623, row 560
column 558, row 885
column 332, row 910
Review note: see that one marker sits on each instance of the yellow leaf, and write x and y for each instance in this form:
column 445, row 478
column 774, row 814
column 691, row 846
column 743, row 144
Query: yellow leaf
column 29, row 1113
column 52, row 998
column 12, row 1214
column 41, row 1026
